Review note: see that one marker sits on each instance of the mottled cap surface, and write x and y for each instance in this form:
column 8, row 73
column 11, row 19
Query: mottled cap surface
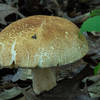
column 41, row 41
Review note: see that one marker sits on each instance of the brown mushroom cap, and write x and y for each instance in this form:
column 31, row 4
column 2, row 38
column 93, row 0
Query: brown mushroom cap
column 42, row 41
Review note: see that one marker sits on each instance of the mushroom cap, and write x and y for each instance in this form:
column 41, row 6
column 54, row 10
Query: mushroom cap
column 41, row 41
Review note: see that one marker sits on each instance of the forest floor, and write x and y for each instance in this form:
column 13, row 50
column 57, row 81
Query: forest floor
column 78, row 84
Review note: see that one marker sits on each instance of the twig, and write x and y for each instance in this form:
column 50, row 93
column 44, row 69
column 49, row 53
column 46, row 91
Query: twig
column 77, row 19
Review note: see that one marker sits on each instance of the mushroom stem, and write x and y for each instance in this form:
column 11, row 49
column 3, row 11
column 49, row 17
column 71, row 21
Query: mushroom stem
column 43, row 79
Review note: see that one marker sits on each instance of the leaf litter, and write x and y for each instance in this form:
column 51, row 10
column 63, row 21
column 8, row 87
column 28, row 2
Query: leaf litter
column 67, row 75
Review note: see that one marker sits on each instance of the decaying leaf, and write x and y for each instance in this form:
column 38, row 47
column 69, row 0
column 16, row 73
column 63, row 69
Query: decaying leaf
column 94, row 90
column 94, row 78
column 61, row 72
column 11, row 2
column 10, row 93
column 5, row 10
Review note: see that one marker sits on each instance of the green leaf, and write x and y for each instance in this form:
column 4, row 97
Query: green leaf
column 97, row 69
column 91, row 24
column 95, row 12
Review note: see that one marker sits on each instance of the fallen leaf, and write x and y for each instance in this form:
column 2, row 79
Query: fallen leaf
column 10, row 93
column 5, row 10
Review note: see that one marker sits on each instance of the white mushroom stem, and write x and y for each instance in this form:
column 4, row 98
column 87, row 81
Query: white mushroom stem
column 44, row 79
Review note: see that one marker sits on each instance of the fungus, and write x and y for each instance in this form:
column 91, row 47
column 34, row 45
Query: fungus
column 41, row 54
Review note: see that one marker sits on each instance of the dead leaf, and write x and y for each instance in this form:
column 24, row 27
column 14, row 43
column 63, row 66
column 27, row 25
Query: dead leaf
column 5, row 10
column 10, row 93
column 94, row 90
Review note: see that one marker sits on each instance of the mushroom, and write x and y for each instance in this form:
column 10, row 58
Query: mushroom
column 40, row 43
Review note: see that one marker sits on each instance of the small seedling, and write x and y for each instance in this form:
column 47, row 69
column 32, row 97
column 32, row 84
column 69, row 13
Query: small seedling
column 92, row 24
column 97, row 69
column 95, row 12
